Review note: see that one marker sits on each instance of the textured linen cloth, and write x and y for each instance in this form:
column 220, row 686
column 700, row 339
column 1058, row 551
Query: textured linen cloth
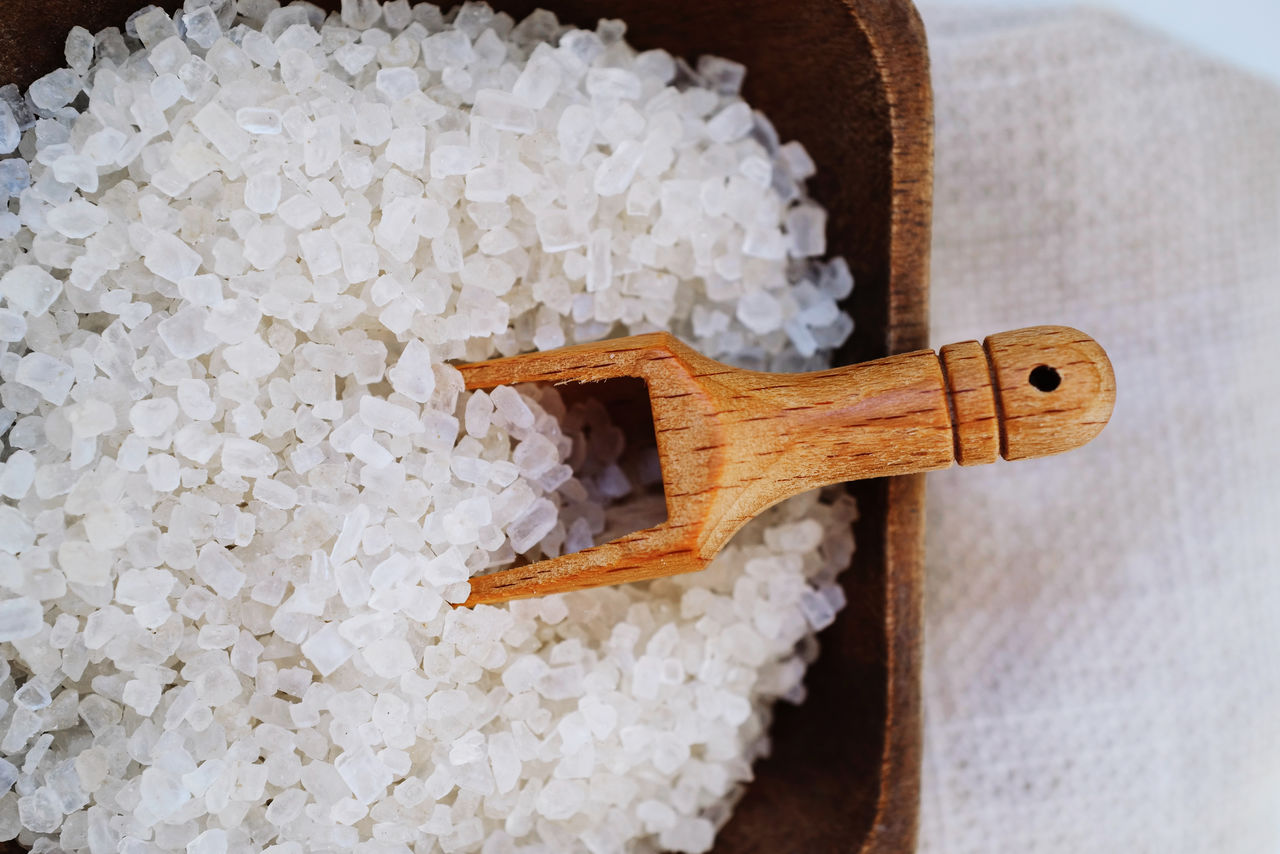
column 1102, row 629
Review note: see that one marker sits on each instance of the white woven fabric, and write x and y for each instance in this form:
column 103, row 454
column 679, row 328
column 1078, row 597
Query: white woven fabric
column 1102, row 629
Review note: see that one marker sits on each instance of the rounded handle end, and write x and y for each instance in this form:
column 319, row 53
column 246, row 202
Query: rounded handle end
column 1055, row 389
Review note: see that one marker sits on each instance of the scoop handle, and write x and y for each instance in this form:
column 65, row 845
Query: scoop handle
column 1026, row 393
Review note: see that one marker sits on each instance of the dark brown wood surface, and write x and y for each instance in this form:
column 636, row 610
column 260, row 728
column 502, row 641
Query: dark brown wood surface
column 850, row 79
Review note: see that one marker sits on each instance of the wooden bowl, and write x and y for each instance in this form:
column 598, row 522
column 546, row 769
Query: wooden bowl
column 850, row 79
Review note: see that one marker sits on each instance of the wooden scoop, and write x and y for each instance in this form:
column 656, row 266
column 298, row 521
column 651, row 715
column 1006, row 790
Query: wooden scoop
column 733, row 442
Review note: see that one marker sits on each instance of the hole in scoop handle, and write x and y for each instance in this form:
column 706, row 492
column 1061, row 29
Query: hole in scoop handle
column 1027, row 393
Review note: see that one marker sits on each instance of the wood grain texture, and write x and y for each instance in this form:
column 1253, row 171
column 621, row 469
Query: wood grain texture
column 734, row 442
column 973, row 402
column 1055, row 390
column 850, row 79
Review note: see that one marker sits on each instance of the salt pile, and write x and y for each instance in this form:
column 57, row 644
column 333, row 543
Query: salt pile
column 242, row 482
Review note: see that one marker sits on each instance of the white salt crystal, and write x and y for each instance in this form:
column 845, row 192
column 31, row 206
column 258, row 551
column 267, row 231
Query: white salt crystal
column 479, row 414
column 489, row 184
column 213, row 840
column 656, row 815
column 801, row 536
column 50, row 378
column 161, row 793
column 535, row 455
column 530, row 528
column 29, row 289
column 579, row 536
column 446, row 251
column 300, row 211
column 216, row 637
column 55, row 89
column 259, row 120
column 369, row 451
column 407, row 148
column 353, row 525
column 285, row 807
column 320, row 251
column 390, row 657
column 613, row 83
column 616, row 171
column 322, row 146
column 204, row 290
column 259, row 48
column 141, row 696
column 32, row 696
column 10, row 135
column 77, row 219
column 152, row 417
column 220, row 128
column 151, row 25
column 168, row 56
column 83, row 564
column 217, row 569
column 218, row 685
column 262, row 192
column 36, row 754
column 17, row 474
column 806, row 230
column 15, row 174
column 247, row 458
column 78, row 49
column 757, row 170
column 449, row 160
column 796, row 160
column 397, row 14
column 560, row 799
column 559, row 231
column 446, row 568
column 688, row 835
column 389, row 572
column 194, row 399
column 449, row 48
column 365, row 776
column 412, row 375
column 13, row 326
column 23, row 724
column 104, row 147
column 599, row 260
column 512, row 407
column 202, row 26
column 574, row 132
column 731, row 123
column 538, row 82
column 77, row 170
column 817, row 609
column 447, row 704
column 724, row 75
column 504, row 111
column 264, row 245
column 184, row 332
column 388, row 417
column 802, row 338
column 327, row 650
column 40, row 811
column 397, row 83
column 760, row 312
column 170, row 258
column 298, row 71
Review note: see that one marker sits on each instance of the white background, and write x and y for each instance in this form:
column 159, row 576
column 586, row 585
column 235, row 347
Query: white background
column 1246, row 32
